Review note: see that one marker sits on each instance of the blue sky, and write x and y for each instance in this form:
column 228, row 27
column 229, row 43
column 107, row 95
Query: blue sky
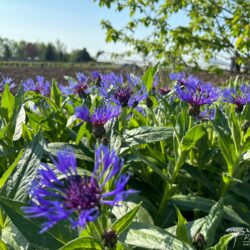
column 75, row 22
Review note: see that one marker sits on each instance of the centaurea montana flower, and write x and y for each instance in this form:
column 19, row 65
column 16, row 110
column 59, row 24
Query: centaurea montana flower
column 124, row 94
column 240, row 97
column 180, row 77
column 79, row 86
column 5, row 81
column 40, row 86
column 196, row 93
column 159, row 88
column 98, row 118
column 74, row 197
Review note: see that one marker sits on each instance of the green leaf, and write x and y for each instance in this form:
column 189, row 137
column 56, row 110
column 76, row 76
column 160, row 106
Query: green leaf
column 83, row 243
column 192, row 136
column 8, row 172
column 3, row 245
column 143, row 135
column 190, row 202
column 148, row 77
column 20, row 120
column 193, row 227
column 242, row 189
column 7, row 103
column 18, row 184
column 142, row 214
column 29, row 228
column 226, row 143
column 56, row 94
column 82, row 153
column 212, row 221
column 123, row 222
column 181, row 230
column 151, row 237
column 223, row 242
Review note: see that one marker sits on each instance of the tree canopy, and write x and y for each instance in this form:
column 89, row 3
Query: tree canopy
column 215, row 26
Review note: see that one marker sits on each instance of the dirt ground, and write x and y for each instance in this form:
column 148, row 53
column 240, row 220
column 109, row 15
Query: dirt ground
column 54, row 71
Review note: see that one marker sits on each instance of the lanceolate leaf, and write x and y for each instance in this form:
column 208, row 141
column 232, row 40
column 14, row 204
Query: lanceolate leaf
column 20, row 120
column 123, row 222
column 226, row 143
column 7, row 103
column 29, row 228
column 181, row 230
column 223, row 242
column 83, row 243
column 212, row 221
column 144, row 135
column 18, row 184
column 151, row 237
column 192, row 136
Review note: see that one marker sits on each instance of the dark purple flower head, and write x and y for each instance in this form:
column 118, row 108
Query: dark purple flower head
column 239, row 97
column 40, row 86
column 79, row 86
column 9, row 81
column 98, row 118
column 75, row 197
column 196, row 92
column 160, row 88
column 96, row 76
column 125, row 94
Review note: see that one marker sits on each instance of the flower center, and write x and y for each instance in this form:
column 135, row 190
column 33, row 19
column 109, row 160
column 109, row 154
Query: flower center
column 81, row 87
column 123, row 95
column 82, row 193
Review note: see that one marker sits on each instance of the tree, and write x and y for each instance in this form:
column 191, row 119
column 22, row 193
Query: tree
column 6, row 51
column 50, row 53
column 81, row 56
column 31, row 50
column 215, row 26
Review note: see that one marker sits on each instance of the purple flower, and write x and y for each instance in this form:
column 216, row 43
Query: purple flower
column 159, row 88
column 79, row 86
column 9, row 81
column 179, row 77
column 40, row 86
column 239, row 97
column 196, row 93
column 98, row 118
column 96, row 76
column 207, row 115
column 75, row 197
column 124, row 94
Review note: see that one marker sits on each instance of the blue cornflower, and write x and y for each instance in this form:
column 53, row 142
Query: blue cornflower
column 40, row 86
column 75, row 197
column 239, row 97
column 124, row 94
column 97, row 77
column 98, row 118
column 196, row 93
column 9, row 81
column 79, row 86
column 207, row 115
column 159, row 88
column 181, row 77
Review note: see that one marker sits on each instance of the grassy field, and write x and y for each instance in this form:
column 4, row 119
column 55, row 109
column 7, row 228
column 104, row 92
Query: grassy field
column 19, row 71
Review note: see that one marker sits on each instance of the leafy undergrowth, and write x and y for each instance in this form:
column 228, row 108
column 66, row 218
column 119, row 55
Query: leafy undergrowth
column 124, row 163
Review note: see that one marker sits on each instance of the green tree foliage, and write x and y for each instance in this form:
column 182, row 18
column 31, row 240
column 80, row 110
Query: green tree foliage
column 212, row 27
column 23, row 50
column 81, row 56
column 50, row 53
column 6, row 51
